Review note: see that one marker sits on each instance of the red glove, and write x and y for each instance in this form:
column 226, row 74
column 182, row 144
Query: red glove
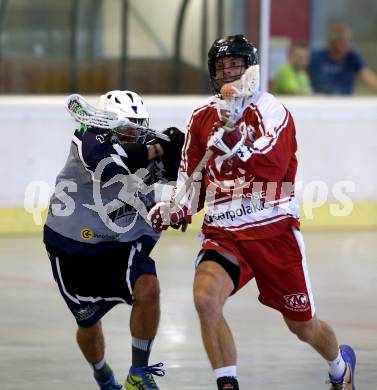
column 223, row 143
column 231, row 138
column 163, row 215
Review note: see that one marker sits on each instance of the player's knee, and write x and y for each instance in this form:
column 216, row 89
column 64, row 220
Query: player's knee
column 303, row 330
column 90, row 334
column 206, row 301
column 147, row 290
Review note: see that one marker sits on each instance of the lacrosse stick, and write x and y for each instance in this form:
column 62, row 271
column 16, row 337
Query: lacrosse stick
column 245, row 86
column 85, row 113
column 195, row 174
column 231, row 94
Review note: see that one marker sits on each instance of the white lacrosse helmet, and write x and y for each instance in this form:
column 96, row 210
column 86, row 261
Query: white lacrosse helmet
column 127, row 105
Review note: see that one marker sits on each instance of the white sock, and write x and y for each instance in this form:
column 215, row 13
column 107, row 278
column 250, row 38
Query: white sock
column 100, row 364
column 102, row 371
column 337, row 367
column 226, row 371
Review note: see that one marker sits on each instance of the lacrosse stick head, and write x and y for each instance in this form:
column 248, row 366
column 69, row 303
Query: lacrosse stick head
column 230, row 100
column 245, row 86
column 235, row 47
column 128, row 106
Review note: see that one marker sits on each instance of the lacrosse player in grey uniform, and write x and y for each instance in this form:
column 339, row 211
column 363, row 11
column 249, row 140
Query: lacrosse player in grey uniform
column 97, row 236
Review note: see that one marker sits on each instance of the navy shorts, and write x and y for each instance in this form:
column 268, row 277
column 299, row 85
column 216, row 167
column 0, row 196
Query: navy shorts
column 91, row 284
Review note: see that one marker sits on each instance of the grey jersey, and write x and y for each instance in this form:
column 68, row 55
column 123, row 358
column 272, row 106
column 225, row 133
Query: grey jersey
column 104, row 191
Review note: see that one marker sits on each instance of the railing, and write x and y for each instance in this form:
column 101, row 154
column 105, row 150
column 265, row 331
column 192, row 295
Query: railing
column 74, row 63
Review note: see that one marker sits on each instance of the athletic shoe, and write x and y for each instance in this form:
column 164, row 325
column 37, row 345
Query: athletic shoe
column 227, row 383
column 110, row 384
column 347, row 382
column 141, row 378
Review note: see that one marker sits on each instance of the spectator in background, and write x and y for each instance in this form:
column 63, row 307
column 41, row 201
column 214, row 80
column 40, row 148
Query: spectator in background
column 333, row 70
column 291, row 78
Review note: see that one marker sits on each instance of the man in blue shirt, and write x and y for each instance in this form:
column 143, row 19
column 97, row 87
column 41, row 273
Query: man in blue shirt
column 333, row 70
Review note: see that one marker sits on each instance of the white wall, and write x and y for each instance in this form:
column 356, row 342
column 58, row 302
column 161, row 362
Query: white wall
column 337, row 139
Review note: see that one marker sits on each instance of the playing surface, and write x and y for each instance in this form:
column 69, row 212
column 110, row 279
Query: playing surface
column 37, row 343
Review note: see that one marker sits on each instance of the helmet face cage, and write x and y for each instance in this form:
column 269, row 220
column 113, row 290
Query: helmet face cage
column 236, row 46
column 132, row 135
column 127, row 105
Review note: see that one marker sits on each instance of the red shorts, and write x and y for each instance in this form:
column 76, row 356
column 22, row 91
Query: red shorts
column 279, row 267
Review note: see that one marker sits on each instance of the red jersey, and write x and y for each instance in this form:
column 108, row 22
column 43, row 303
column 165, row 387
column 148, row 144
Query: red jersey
column 250, row 196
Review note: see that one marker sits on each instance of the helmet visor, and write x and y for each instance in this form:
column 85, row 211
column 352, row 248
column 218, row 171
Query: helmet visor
column 228, row 69
column 131, row 135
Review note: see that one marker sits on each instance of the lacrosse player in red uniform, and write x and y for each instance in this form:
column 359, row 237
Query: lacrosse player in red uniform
column 251, row 226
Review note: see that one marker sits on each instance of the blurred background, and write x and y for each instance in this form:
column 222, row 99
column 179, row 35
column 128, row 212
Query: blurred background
column 54, row 46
